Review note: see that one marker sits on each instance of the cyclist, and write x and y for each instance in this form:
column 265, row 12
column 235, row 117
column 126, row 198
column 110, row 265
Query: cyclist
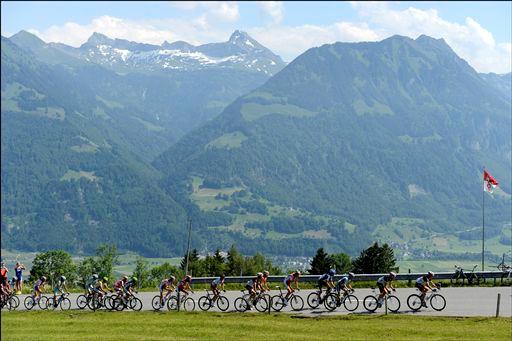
column 291, row 278
column 59, row 289
column 184, row 285
column 326, row 280
column 345, row 283
column 167, row 285
column 119, row 285
column 264, row 278
column 91, row 284
column 18, row 270
column 383, row 283
column 217, row 283
column 39, row 286
column 253, row 285
column 4, row 278
column 129, row 286
column 423, row 283
column 103, row 286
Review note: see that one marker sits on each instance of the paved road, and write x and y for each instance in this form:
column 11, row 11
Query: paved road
column 474, row 301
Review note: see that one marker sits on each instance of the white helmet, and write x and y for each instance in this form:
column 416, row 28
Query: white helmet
column 392, row 274
column 431, row 274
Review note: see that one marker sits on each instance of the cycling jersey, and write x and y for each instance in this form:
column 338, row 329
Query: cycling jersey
column 422, row 280
column 165, row 283
column 326, row 277
column 384, row 280
column 3, row 274
column 129, row 285
column 59, row 287
column 343, row 281
column 252, row 281
column 217, row 281
column 119, row 284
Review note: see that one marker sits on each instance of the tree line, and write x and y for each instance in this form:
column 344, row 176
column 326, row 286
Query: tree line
column 56, row 263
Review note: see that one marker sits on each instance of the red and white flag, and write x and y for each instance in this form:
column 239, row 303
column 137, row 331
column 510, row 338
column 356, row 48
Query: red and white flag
column 489, row 182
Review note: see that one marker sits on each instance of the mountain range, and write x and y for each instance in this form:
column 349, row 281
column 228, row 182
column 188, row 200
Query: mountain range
column 117, row 141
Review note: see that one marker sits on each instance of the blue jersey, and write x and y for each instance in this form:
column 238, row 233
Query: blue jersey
column 326, row 277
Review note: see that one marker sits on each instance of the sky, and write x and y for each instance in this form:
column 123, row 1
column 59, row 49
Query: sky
column 479, row 32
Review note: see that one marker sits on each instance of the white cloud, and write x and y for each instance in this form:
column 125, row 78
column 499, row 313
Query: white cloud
column 291, row 41
column 470, row 40
column 213, row 21
column 221, row 10
column 273, row 8
column 195, row 31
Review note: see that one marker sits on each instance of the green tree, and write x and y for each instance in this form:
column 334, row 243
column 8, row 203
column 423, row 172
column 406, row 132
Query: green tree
column 53, row 264
column 375, row 259
column 342, row 262
column 165, row 270
column 321, row 263
column 195, row 265
column 107, row 257
column 142, row 272
column 235, row 263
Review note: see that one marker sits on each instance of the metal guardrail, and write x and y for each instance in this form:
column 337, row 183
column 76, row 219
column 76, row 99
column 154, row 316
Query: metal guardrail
column 367, row 277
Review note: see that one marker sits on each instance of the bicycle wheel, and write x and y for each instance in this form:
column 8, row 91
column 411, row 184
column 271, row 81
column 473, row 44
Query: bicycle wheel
column 81, row 301
column 94, row 303
column 351, row 302
column 172, row 303
column 135, row 304
column 277, row 303
column 261, row 304
column 370, row 303
column 29, row 302
column 414, row 302
column 51, row 304
column 189, row 304
column 222, row 303
column 205, row 303
column 43, row 303
column 119, row 304
column 15, row 302
column 65, row 304
column 393, row 303
column 313, row 300
column 437, row 302
column 109, row 303
column 155, row 303
column 297, row 303
column 12, row 304
column 241, row 305
column 331, row 302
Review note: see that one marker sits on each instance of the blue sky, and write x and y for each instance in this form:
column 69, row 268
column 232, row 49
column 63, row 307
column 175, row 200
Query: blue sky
column 480, row 32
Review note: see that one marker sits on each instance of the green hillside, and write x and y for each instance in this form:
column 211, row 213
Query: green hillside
column 365, row 134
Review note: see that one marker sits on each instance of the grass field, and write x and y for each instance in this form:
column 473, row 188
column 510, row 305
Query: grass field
column 79, row 325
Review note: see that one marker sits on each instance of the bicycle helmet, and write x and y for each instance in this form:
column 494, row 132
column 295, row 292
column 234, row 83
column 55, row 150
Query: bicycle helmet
column 188, row 278
column 266, row 273
column 430, row 274
column 105, row 279
column 351, row 275
column 297, row 273
column 172, row 278
column 392, row 274
column 62, row 278
column 222, row 276
column 125, row 278
column 95, row 276
column 134, row 279
column 259, row 274
column 43, row 278
column 332, row 272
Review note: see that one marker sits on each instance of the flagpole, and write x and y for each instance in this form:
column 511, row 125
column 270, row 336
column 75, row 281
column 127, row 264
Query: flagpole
column 483, row 220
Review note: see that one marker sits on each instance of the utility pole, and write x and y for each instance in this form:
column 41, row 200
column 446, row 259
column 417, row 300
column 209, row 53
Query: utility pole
column 483, row 221
column 188, row 245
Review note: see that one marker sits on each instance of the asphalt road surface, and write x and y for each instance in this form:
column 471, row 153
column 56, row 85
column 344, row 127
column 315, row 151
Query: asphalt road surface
column 471, row 301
